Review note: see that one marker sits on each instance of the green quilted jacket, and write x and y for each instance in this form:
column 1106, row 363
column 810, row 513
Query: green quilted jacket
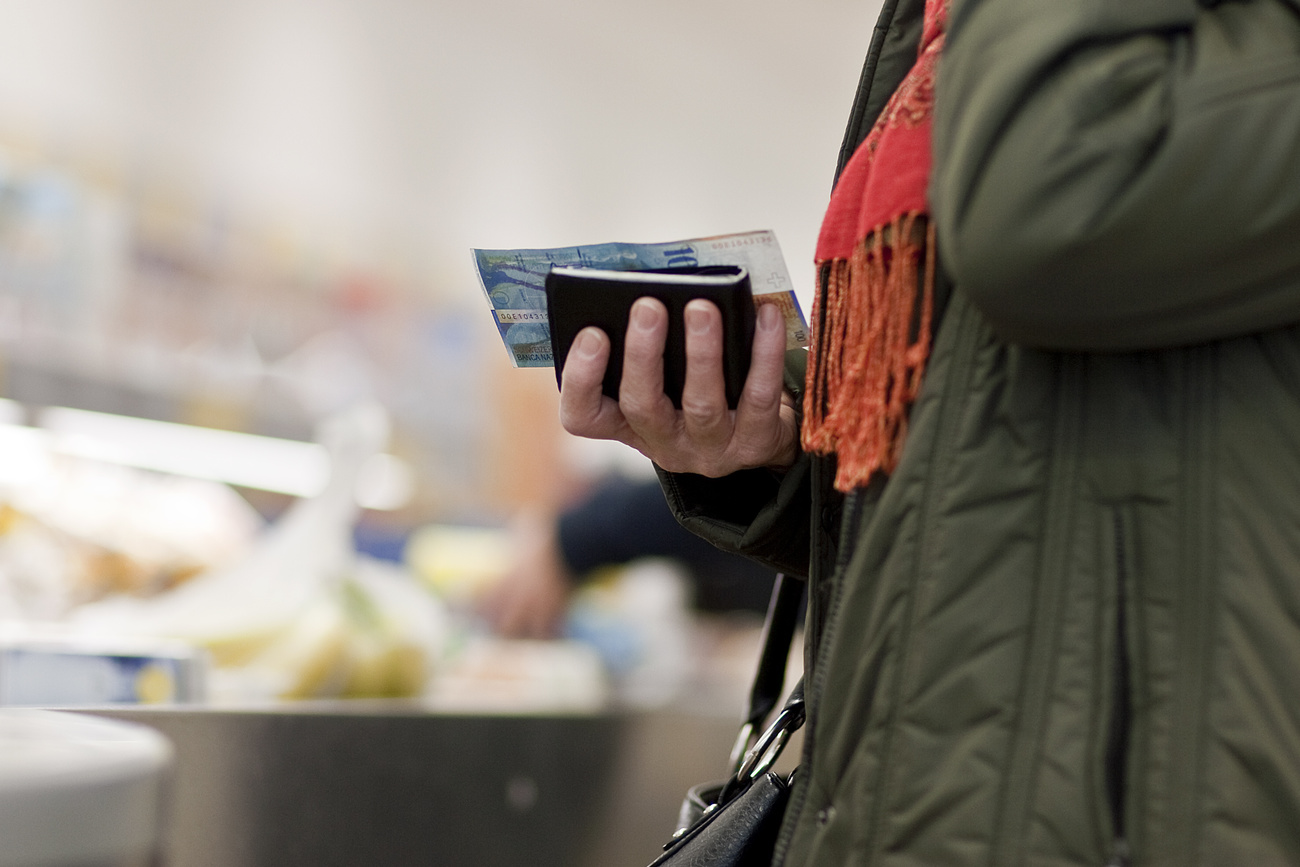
column 1066, row 631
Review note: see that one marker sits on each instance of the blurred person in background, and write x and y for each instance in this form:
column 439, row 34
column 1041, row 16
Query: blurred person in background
column 617, row 522
column 1041, row 468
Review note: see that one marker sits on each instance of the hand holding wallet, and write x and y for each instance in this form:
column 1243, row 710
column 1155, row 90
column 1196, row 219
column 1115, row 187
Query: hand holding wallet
column 580, row 297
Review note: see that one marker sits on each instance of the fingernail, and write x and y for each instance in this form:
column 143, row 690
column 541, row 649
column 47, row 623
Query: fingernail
column 586, row 343
column 642, row 314
column 697, row 321
column 769, row 318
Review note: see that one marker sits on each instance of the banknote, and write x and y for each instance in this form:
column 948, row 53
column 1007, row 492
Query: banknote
column 515, row 282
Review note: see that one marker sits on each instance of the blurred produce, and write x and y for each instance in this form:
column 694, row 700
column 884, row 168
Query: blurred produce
column 301, row 615
column 113, row 560
column 74, row 531
column 113, row 555
column 372, row 635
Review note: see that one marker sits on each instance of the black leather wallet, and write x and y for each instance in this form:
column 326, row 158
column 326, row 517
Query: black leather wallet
column 579, row 297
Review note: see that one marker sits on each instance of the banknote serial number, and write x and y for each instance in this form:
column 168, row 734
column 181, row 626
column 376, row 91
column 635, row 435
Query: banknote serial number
column 511, row 317
column 748, row 241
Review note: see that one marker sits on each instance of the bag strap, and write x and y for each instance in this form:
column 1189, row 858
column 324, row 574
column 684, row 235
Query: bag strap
column 778, row 633
column 769, row 679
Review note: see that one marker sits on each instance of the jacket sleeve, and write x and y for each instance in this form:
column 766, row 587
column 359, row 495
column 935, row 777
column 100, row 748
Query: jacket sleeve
column 1121, row 174
column 757, row 513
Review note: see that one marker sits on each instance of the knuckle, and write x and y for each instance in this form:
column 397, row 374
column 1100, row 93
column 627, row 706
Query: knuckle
column 635, row 409
column 698, row 418
column 700, row 412
column 763, row 393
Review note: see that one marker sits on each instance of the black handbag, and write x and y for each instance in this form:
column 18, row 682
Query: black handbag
column 735, row 823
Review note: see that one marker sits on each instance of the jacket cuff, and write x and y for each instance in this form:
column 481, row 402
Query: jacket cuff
column 758, row 513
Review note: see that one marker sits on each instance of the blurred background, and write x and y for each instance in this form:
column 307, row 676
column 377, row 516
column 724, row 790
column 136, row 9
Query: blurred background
column 248, row 214
column 259, row 440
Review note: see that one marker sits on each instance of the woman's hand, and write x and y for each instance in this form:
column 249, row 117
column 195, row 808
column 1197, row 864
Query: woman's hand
column 704, row 436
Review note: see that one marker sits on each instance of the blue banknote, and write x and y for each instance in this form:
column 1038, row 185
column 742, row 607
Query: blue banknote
column 514, row 282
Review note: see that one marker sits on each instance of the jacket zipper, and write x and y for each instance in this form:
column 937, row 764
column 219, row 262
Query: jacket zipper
column 1117, row 745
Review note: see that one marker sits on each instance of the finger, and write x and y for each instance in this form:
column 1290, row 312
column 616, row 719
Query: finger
column 766, row 380
column 641, row 390
column 760, row 432
column 584, row 410
column 705, row 413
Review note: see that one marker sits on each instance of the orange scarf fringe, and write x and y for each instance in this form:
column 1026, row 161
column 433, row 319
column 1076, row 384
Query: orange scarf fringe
column 870, row 349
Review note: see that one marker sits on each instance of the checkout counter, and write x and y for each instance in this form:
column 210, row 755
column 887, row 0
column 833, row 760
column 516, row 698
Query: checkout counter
column 386, row 783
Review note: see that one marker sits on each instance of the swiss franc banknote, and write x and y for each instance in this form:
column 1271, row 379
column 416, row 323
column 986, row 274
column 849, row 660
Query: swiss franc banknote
column 515, row 282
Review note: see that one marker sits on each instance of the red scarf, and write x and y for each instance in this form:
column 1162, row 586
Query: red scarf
column 871, row 332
